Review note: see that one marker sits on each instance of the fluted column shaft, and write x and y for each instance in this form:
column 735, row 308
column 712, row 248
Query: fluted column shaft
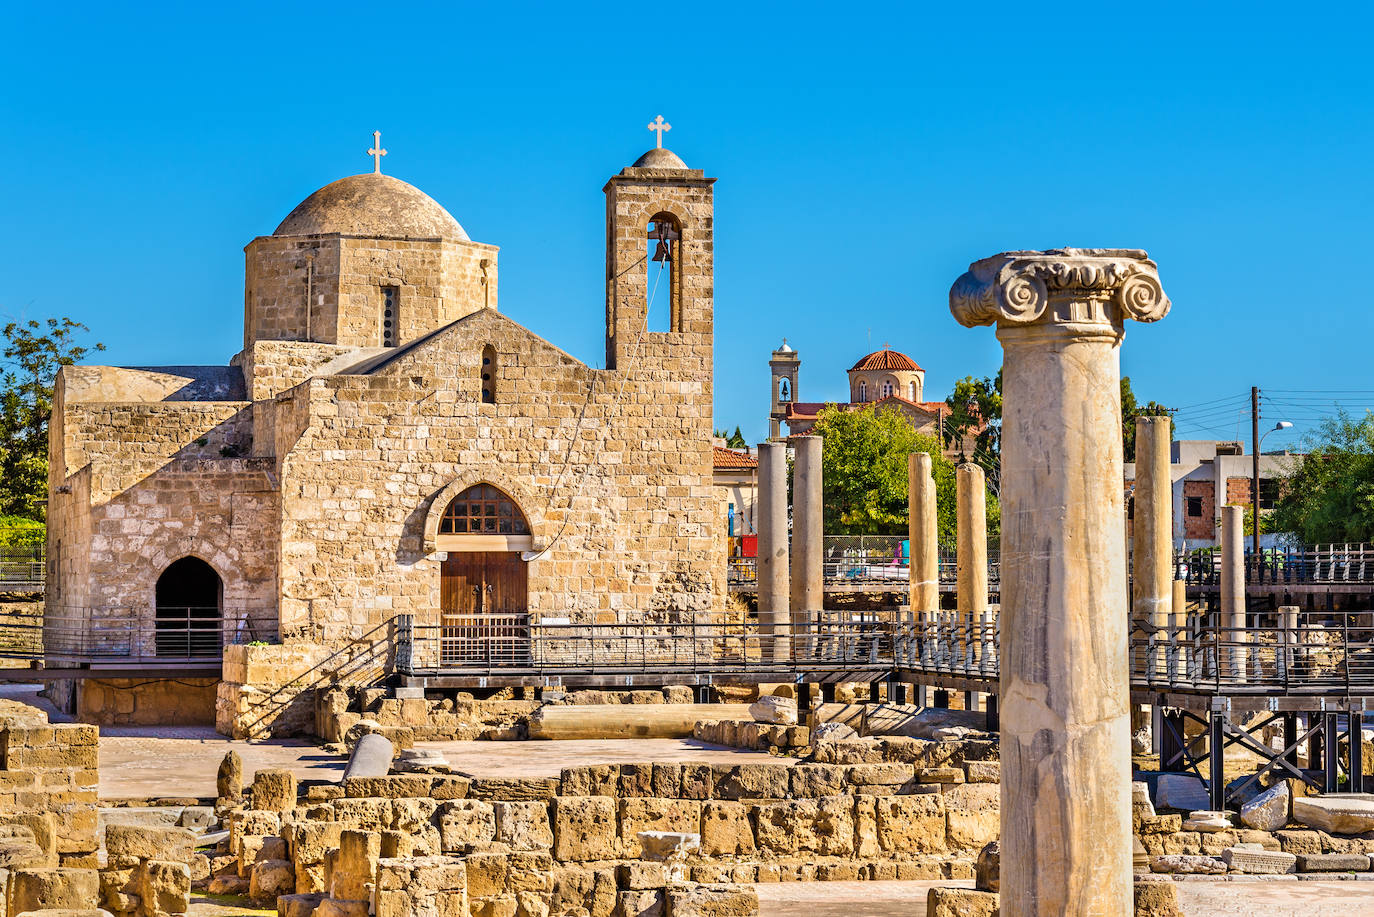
column 1065, row 687
column 923, row 535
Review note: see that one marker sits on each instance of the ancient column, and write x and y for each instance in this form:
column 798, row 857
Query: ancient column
column 772, row 546
column 1065, row 692
column 808, row 537
column 1152, row 561
column 1233, row 590
column 972, row 514
column 922, row 535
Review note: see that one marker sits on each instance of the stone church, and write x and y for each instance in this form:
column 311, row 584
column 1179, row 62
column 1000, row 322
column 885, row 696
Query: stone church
column 388, row 442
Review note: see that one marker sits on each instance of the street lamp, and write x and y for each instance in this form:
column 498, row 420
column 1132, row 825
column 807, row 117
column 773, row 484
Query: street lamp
column 1255, row 481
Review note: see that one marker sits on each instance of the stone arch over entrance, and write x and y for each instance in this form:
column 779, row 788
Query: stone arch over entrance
column 189, row 603
column 520, row 495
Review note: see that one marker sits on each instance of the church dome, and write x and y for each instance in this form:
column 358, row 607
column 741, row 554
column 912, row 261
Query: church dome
column 659, row 158
column 886, row 359
column 371, row 204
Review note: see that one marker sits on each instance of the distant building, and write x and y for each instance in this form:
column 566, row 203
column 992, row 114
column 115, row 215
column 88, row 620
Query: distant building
column 736, row 478
column 885, row 378
column 1207, row 475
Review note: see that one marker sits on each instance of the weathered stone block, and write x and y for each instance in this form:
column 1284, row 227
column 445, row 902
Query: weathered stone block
column 648, row 814
column 1350, row 814
column 354, row 871
column 1259, row 862
column 523, row 825
column 1333, row 862
column 165, row 887
column 725, row 829
column 822, row 826
column 961, row 902
column 590, row 780
column 269, row 879
column 584, row 828
column 392, row 786
column 1268, row 811
column 466, row 823
column 911, row 824
column 639, row 904
column 34, row 889
column 274, row 790
column 712, row 901
column 751, row 781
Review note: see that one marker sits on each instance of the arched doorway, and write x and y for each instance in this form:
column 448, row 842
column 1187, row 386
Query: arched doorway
column 483, row 583
column 190, row 596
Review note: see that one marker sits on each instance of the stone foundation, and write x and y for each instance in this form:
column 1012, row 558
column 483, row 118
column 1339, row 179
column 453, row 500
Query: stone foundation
column 162, row 702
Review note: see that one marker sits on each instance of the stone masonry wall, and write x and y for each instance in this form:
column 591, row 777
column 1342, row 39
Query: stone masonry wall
column 48, row 777
column 382, row 450
column 144, row 702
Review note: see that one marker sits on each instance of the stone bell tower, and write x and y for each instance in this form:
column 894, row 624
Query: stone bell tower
column 659, row 212
column 785, row 366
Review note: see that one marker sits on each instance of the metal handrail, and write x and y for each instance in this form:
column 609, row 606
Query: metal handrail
column 177, row 634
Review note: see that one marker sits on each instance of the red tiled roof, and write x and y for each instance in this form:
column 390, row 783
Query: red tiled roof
column 886, row 359
column 810, row 410
column 730, row 459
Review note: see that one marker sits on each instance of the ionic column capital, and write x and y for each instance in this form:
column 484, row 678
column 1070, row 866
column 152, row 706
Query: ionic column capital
column 1073, row 287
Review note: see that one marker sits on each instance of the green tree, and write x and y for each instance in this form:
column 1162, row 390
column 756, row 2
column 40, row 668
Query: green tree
column 864, row 465
column 31, row 355
column 1130, row 410
column 1328, row 495
column 736, row 440
column 975, row 407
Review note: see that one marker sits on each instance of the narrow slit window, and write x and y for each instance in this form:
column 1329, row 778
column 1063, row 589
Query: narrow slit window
column 391, row 301
column 488, row 375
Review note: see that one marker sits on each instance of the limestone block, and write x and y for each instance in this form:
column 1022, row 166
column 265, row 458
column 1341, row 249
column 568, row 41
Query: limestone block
column 486, row 874
column 1207, row 822
column 526, row 788
column 583, row 889
column 961, row 902
column 590, row 780
column 1333, row 862
column 822, row 826
column 889, row 774
column 780, row 711
column 725, row 829
column 355, row 866
column 337, row 907
column 983, row 771
column 34, row 889
column 833, row 732
column 523, row 825
column 309, row 840
column 645, row 903
column 666, row 782
column 698, row 781
column 165, row 887
column 1259, row 862
column 942, row 775
column 668, row 846
column 809, row 781
column 1181, row 863
column 229, row 780
column 647, row 814
column 751, row 781
column 450, row 786
column 299, row 905
column 271, row 878
column 987, row 869
column 911, row 824
column 466, row 823
column 274, row 790
column 712, row 901
column 584, row 828
column 149, row 843
column 636, row 780
column 395, row 786
column 641, row 876
column 1269, row 810
column 1156, row 897
column 1349, row 814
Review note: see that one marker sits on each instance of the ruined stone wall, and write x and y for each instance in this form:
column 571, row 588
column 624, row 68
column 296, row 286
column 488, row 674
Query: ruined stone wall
column 48, row 777
column 383, row 450
column 146, row 702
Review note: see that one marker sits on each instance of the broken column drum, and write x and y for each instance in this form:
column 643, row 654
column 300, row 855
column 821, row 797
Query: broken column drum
column 1065, row 687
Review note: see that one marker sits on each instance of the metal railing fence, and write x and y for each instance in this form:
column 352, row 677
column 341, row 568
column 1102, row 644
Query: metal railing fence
column 1317, row 564
column 132, row 635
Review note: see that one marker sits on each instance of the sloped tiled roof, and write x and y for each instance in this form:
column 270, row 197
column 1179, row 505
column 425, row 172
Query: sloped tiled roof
column 810, row 410
column 886, row 359
column 729, row 459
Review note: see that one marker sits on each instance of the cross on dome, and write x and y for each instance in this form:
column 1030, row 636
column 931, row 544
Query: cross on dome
column 659, row 125
column 377, row 152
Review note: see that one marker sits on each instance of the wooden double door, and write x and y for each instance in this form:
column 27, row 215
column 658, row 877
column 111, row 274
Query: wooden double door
column 483, row 611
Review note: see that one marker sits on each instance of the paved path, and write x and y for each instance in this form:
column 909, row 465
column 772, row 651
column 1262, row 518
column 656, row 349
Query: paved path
column 1283, row 898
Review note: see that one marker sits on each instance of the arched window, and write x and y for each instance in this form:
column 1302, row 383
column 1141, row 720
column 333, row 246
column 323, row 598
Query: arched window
column 189, row 595
column 912, row 395
column 663, row 277
column 887, row 388
column 488, row 374
column 483, row 510
column 863, row 390
column 784, row 390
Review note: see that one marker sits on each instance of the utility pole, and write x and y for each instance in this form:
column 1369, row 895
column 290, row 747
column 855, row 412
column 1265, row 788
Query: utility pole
column 1254, row 471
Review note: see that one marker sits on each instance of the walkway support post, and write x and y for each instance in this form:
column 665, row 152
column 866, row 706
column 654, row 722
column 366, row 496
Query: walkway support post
column 772, row 549
column 1065, row 691
column 922, row 537
column 1233, row 591
column 808, row 542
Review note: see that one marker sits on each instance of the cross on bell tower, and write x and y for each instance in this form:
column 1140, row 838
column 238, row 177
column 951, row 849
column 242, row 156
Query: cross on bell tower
column 659, row 125
column 376, row 152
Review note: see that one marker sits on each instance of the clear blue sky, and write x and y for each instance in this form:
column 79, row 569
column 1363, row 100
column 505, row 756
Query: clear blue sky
column 865, row 155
